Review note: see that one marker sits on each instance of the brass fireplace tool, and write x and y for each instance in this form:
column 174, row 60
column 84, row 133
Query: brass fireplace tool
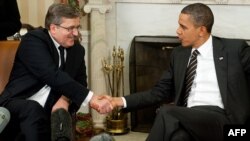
column 114, row 74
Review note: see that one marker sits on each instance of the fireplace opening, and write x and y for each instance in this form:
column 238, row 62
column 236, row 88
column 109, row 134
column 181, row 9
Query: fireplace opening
column 149, row 57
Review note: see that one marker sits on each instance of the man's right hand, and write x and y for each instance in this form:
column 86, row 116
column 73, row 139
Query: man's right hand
column 101, row 103
column 105, row 104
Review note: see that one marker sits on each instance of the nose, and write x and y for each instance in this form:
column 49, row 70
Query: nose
column 178, row 31
column 75, row 32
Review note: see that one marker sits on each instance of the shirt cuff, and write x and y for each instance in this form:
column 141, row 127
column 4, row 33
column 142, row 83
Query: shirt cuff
column 87, row 99
column 124, row 102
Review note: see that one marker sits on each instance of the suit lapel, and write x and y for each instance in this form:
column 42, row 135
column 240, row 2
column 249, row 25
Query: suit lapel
column 52, row 48
column 71, row 60
column 55, row 54
column 180, row 67
column 220, row 61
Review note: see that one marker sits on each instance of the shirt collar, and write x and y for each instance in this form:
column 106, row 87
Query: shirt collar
column 206, row 48
column 54, row 41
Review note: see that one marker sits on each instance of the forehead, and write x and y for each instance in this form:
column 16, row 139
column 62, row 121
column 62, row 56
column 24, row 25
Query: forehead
column 70, row 21
column 185, row 19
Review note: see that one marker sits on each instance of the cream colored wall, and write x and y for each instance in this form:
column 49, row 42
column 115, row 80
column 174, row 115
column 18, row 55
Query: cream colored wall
column 33, row 11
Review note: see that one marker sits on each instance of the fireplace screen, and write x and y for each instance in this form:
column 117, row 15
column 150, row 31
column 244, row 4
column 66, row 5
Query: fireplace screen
column 149, row 57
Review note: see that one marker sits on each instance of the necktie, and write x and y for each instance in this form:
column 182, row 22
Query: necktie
column 61, row 49
column 190, row 74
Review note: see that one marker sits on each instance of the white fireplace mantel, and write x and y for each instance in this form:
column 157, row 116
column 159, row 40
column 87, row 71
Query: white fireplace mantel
column 236, row 2
column 130, row 18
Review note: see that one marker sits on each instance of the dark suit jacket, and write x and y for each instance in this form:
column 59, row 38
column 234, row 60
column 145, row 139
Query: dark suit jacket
column 36, row 64
column 10, row 18
column 232, row 64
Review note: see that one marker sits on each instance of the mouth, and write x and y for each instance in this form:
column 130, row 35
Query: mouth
column 71, row 37
column 180, row 39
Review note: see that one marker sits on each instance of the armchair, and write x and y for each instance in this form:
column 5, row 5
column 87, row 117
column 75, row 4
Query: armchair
column 7, row 54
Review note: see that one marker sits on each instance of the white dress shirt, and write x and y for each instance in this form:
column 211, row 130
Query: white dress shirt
column 205, row 88
column 42, row 95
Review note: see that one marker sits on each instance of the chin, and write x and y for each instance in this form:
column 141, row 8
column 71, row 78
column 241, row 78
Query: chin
column 71, row 43
column 185, row 44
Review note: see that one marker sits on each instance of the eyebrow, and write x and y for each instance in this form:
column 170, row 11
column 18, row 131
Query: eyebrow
column 183, row 26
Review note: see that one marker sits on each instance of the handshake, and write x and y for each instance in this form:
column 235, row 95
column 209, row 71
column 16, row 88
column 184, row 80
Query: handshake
column 105, row 104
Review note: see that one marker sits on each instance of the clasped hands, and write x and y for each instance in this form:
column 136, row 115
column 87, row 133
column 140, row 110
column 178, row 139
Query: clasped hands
column 101, row 103
column 105, row 104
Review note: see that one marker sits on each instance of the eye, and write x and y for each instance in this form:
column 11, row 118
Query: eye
column 183, row 27
column 72, row 28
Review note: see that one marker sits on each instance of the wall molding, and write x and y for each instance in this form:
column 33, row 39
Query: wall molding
column 220, row 2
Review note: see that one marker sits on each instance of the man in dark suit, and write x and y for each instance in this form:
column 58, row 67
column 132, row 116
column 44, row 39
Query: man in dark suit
column 41, row 82
column 218, row 94
column 10, row 18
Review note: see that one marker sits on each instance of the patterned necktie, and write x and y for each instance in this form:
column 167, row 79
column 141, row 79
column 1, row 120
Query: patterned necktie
column 61, row 49
column 190, row 74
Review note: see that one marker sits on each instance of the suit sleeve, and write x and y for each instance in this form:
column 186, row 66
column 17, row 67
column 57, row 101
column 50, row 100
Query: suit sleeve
column 245, row 57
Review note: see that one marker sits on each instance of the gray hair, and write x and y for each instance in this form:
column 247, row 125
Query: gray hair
column 58, row 11
column 201, row 15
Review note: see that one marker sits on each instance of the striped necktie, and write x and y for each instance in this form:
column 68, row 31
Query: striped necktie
column 190, row 74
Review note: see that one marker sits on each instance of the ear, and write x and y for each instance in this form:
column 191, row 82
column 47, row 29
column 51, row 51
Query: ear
column 52, row 28
column 203, row 31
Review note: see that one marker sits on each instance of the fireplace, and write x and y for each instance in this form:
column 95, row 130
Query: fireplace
column 149, row 57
